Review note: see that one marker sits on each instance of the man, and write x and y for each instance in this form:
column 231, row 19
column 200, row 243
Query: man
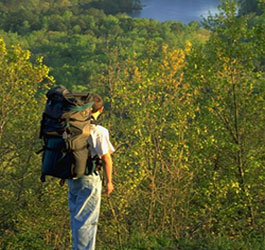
column 85, row 192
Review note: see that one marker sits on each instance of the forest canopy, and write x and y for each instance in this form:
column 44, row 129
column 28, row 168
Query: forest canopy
column 185, row 108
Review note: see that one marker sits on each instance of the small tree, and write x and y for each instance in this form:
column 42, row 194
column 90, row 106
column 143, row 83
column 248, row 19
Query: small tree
column 27, row 209
column 228, row 153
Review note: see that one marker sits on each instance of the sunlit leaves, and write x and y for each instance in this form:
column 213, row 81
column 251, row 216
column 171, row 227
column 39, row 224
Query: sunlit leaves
column 230, row 117
column 151, row 105
column 21, row 87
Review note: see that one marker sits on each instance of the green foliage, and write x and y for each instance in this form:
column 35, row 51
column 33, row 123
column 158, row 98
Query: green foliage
column 74, row 40
column 116, row 6
column 251, row 6
column 22, row 196
column 143, row 241
column 150, row 131
column 186, row 119
column 231, row 104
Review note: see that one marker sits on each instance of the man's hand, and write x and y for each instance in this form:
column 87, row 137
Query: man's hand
column 109, row 188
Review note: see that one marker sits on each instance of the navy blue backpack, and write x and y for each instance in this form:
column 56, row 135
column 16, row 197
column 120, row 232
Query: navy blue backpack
column 65, row 129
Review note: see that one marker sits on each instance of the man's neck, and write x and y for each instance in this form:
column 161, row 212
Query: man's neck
column 95, row 115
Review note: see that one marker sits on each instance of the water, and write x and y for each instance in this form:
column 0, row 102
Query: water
column 179, row 10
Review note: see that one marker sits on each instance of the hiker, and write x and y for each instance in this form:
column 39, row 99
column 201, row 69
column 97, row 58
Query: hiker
column 85, row 192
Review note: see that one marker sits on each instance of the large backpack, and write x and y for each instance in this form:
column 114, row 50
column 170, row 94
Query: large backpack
column 65, row 129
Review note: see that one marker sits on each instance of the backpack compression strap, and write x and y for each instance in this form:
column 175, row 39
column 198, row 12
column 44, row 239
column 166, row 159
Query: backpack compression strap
column 83, row 107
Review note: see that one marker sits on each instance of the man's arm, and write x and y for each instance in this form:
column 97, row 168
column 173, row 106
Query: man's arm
column 107, row 164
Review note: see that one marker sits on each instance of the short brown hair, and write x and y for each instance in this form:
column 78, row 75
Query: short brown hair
column 98, row 102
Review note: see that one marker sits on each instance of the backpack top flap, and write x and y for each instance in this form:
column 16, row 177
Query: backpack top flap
column 64, row 108
column 79, row 107
column 62, row 104
column 55, row 105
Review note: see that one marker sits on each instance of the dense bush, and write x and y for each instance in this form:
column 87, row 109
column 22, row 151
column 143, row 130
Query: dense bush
column 185, row 109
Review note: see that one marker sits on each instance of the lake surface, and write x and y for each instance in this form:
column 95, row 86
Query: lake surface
column 184, row 11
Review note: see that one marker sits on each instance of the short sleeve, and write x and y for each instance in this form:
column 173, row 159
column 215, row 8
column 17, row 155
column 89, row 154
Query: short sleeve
column 101, row 144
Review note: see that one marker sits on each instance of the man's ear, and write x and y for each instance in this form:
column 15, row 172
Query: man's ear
column 101, row 109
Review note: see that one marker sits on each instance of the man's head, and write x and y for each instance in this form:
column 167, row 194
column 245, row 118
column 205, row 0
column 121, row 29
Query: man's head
column 98, row 103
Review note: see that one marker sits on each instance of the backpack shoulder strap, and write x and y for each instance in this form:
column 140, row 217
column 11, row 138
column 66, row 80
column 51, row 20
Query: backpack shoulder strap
column 93, row 121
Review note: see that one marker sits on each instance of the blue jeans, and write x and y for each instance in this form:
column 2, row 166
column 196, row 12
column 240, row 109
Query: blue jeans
column 84, row 205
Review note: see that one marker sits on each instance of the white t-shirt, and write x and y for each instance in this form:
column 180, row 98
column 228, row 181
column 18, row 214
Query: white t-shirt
column 99, row 141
